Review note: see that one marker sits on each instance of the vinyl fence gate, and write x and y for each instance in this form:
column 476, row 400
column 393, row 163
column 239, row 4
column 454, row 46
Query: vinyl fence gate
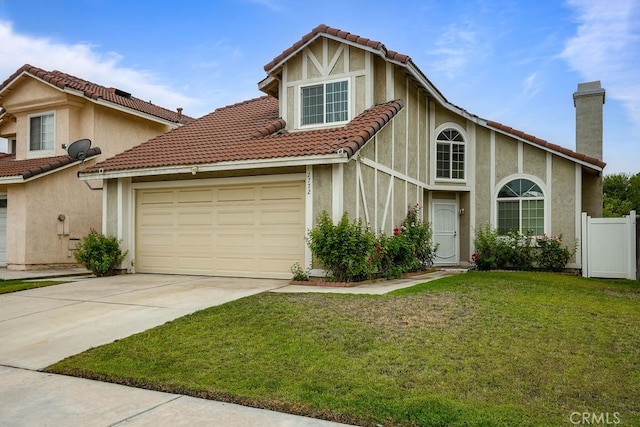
column 609, row 247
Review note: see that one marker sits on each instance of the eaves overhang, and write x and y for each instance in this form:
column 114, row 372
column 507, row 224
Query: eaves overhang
column 194, row 169
column 20, row 179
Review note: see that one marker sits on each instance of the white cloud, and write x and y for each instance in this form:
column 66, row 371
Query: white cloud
column 454, row 49
column 606, row 47
column 531, row 85
column 85, row 61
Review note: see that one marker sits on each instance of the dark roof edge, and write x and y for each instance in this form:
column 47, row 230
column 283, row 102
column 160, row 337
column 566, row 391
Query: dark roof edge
column 56, row 163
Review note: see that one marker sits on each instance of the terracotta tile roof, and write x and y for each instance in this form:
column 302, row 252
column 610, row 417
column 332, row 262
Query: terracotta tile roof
column 391, row 55
column 546, row 144
column 95, row 91
column 406, row 61
column 9, row 167
column 250, row 130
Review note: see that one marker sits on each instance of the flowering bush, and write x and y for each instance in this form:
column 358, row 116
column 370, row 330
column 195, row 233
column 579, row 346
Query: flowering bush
column 352, row 252
column 518, row 251
column 553, row 256
column 492, row 251
column 99, row 254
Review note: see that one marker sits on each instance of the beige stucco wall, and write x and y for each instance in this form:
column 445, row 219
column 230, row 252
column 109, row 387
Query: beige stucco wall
column 36, row 236
column 483, row 177
column 563, row 200
column 322, row 190
column 324, row 59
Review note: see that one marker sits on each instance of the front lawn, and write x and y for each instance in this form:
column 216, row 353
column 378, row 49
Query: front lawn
column 7, row 286
column 471, row 349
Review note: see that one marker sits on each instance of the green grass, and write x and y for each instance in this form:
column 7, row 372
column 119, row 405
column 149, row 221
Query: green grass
column 7, row 286
column 471, row 349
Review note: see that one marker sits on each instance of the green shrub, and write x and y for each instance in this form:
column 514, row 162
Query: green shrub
column 395, row 255
column 352, row 252
column 418, row 236
column 492, row 251
column 99, row 254
column 552, row 255
column 345, row 249
column 520, row 250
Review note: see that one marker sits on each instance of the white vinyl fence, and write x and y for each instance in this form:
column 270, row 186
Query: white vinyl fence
column 609, row 247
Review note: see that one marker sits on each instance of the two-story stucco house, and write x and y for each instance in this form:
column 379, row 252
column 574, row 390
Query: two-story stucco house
column 346, row 126
column 44, row 208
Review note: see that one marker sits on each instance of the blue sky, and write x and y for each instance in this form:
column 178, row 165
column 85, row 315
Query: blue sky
column 515, row 62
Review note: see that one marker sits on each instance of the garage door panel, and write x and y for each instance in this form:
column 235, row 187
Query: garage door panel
column 237, row 194
column 154, row 240
column 186, row 240
column 285, row 243
column 284, row 217
column 197, row 218
column 280, row 192
column 154, row 218
column 236, row 243
column 203, row 196
column 156, row 197
column 242, row 230
column 194, row 264
column 157, row 262
column 236, row 217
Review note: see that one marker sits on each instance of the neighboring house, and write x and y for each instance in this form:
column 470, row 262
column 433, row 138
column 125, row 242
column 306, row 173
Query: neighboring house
column 346, row 126
column 44, row 208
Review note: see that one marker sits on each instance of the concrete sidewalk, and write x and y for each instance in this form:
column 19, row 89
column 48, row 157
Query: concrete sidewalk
column 29, row 398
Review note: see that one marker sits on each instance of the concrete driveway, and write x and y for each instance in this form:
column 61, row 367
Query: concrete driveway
column 41, row 326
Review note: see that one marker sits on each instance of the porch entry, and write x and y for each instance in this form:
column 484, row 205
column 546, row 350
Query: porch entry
column 445, row 231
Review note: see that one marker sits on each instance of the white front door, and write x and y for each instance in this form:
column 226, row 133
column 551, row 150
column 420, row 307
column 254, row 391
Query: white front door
column 445, row 231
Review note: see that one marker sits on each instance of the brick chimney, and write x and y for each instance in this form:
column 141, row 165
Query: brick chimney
column 588, row 101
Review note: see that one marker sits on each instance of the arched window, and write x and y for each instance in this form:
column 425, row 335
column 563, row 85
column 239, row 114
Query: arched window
column 450, row 155
column 521, row 207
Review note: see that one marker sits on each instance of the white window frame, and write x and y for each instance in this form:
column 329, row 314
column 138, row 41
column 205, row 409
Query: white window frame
column 324, row 84
column 465, row 144
column 545, row 198
column 40, row 153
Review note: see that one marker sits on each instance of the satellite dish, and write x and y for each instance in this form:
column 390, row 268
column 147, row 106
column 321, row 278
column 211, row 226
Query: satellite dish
column 78, row 150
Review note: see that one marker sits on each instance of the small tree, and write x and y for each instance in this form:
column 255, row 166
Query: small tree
column 99, row 254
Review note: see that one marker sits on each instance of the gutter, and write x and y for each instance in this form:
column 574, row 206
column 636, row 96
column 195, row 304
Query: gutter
column 193, row 169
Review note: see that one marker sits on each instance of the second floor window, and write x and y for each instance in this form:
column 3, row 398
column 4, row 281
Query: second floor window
column 41, row 132
column 325, row 103
column 450, row 155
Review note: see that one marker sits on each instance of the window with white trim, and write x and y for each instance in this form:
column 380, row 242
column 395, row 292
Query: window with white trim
column 325, row 103
column 42, row 132
column 521, row 207
column 450, row 155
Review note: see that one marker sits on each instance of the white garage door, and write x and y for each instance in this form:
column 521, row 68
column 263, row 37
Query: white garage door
column 236, row 230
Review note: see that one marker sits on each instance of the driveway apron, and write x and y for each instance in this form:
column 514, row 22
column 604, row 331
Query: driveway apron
column 41, row 326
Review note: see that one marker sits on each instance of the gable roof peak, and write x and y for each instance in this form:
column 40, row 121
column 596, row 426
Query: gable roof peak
column 95, row 92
